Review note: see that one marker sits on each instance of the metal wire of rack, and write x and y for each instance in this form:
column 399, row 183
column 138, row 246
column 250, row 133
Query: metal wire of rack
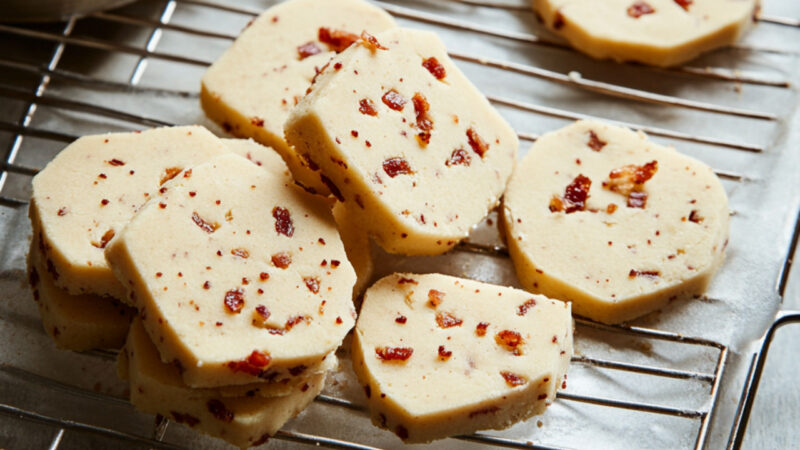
column 49, row 71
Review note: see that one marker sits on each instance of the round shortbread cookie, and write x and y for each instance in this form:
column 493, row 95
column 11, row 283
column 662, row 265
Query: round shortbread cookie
column 440, row 356
column 656, row 32
column 239, row 274
column 600, row 216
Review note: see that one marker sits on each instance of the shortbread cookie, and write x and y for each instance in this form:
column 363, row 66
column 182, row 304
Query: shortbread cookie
column 656, row 32
column 157, row 388
column 75, row 322
column 440, row 356
column 239, row 274
column 411, row 147
column 358, row 247
column 251, row 88
column 260, row 155
column 84, row 196
column 600, row 216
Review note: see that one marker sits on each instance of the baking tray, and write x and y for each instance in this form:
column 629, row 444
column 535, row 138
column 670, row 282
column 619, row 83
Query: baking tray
column 683, row 377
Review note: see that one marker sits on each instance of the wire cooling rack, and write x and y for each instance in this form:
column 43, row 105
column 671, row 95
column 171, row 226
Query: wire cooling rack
column 140, row 66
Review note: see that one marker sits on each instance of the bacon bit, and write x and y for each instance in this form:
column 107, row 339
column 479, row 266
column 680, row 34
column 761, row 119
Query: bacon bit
column 337, row 66
column 388, row 354
column 404, row 280
column 394, row 100
column 637, row 200
column 258, row 122
column 424, row 121
column 401, row 432
column 480, row 330
column 611, row 208
column 169, row 173
column 556, row 205
column 447, row 320
column 312, row 283
column 335, row 263
column 234, row 300
column 219, row 411
column 511, row 340
column 459, row 156
column 283, row 221
column 487, row 410
column 332, row 187
column 107, row 236
column 188, row 419
column 434, row 67
column 337, row 40
column 694, row 216
column 253, row 364
column 594, row 142
column 400, row 319
column 397, row 166
column 684, row 4
column 104, row 201
column 630, row 178
column 367, row 106
column 435, row 298
column 308, row 49
column 240, row 252
column 208, row 227
column 640, row 8
column 369, row 41
column 263, row 312
column 513, row 379
column 444, row 355
column 115, row 162
column 187, row 174
column 653, row 274
column 338, row 320
column 478, row 145
column 281, row 260
column 294, row 320
column 574, row 198
column 354, row 133
column 523, row 308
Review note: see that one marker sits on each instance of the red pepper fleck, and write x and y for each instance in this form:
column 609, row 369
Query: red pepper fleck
column 332, row 187
column 294, row 320
column 523, row 308
column 542, row 396
column 511, row 340
column 371, row 42
column 694, row 216
column 487, row 410
column 338, row 320
column 62, row 211
column 104, row 201
column 308, row 49
column 169, row 173
column 208, row 227
column 188, row 419
column 219, row 411
column 234, row 300
column 476, row 142
column 400, row 319
column 397, row 166
column 652, row 274
column 187, row 174
column 434, row 67
column 240, row 252
column 312, row 283
column 404, row 280
column 367, row 391
column 480, row 330
column 447, row 320
column 354, row 133
column 337, row 40
column 207, row 285
column 337, row 66
column 594, row 142
column 297, row 370
column 335, row 263
column 367, row 106
column 558, row 21
column 388, row 354
column 253, row 364
column 435, row 298
column 116, row 162
column 401, row 432
column 394, row 100
column 444, row 355
column 281, row 260
column 640, row 8
column 104, row 240
column 513, row 379
column 424, row 121
column 458, row 157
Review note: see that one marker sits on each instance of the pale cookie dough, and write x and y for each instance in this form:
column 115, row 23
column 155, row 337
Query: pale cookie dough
column 92, row 189
column 157, row 388
column 411, row 147
column 260, row 155
column 239, row 274
column 440, row 356
column 358, row 247
column 75, row 322
column 251, row 88
column 630, row 247
column 657, row 32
